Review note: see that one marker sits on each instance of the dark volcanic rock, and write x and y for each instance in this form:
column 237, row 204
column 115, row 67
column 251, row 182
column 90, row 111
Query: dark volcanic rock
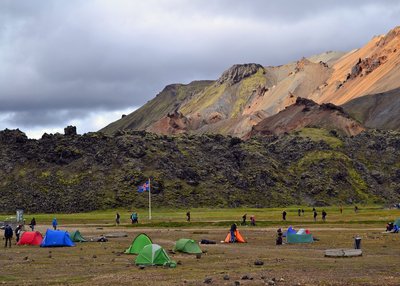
column 61, row 173
column 238, row 72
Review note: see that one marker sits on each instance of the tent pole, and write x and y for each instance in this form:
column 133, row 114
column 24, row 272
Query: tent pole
column 149, row 200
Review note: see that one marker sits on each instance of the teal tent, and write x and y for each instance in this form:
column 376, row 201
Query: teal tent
column 299, row 238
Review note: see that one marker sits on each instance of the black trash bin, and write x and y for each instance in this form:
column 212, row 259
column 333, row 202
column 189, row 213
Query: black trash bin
column 357, row 242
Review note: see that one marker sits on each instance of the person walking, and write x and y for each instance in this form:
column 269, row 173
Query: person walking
column 355, row 209
column 117, row 218
column 341, row 209
column 244, row 217
column 32, row 224
column 284, row 215
column 323, row 215
column 299, row 212
column 315, row 215
column 8, row 234
column 188, row 216
column 55, row 223
column 302, row 211
column 18, row 230
column 253, row 220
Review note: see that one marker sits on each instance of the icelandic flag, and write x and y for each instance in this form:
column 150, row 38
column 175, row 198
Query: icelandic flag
column 144, row 187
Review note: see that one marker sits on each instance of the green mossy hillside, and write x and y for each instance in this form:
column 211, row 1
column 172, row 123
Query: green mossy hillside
column 60, row 173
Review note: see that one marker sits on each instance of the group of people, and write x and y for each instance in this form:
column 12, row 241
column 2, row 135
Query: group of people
column 133, row 217
column 9, row 233
column 252, row 220
column 301, row 212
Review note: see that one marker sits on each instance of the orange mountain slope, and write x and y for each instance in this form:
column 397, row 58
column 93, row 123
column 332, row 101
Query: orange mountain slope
column 246, row 94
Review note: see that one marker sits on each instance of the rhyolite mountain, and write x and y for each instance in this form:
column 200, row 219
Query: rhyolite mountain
column 246, row 94
column 70, row 173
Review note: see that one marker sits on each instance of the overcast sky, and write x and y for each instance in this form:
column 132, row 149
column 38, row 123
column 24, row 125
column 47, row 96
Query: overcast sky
column 88, row 62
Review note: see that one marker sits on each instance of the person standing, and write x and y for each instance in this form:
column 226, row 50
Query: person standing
column 8, row 234
column 355, row 209
column 323, row 215
column 302, row 211
column 233, row 231
column 284, row 215
column 341, row 209
column 32, row 224
column 117, row 218
column 299, row 212
column 253, row 220
column 315, row 215
column 279, row 237
column 188, row 216
column 55, row 223
column 18, row 230
column 244, row 217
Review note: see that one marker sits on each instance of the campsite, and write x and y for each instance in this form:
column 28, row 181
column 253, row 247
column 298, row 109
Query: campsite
column 98, row 263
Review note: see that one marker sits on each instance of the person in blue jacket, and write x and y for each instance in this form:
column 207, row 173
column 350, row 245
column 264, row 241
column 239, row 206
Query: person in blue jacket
column 55, row 224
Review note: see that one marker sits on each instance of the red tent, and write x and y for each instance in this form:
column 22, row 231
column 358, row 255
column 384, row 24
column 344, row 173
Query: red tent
column 31, row 238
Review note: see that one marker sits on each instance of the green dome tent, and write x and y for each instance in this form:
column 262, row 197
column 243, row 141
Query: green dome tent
column 138, row 243
column 188, row 246
column 153, row 254
column 77, row 237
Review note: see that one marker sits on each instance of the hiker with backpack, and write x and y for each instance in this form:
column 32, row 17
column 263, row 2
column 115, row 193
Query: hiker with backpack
column 134, row 218
column 8, row 234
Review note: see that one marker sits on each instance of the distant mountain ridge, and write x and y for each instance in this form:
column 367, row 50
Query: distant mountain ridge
column 246, row 94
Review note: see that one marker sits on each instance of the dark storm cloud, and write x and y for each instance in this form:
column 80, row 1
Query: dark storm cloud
column 77, row 56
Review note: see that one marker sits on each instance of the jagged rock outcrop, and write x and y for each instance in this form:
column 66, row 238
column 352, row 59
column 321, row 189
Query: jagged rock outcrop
column 238, row 72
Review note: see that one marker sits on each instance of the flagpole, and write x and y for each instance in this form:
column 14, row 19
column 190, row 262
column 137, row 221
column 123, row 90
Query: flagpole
column 149, row 200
